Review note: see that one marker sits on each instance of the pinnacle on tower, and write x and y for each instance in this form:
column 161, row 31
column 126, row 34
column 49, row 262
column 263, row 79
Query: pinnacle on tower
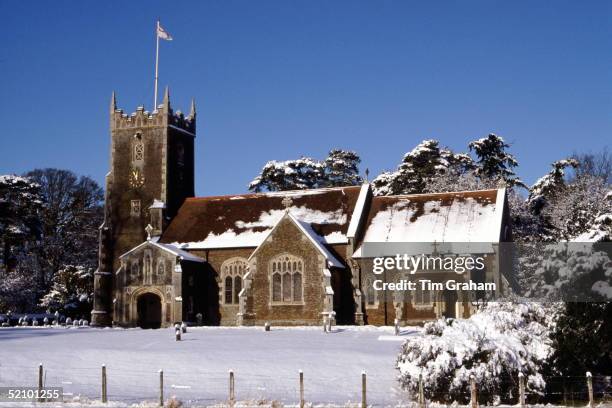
column 166, row 100
column 113, row 104
column 192, row 111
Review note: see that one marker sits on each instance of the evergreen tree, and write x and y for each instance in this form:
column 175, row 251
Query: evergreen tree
column 20, row 204
column 420, row 168
column 549, row 186
column 342, row 168
column 71, row 292
column 494, row 162
column 339, row 169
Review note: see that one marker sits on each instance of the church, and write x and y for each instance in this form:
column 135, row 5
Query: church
column 286, row 258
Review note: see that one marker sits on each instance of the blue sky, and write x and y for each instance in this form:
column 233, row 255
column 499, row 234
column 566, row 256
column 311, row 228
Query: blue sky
column 281, row 79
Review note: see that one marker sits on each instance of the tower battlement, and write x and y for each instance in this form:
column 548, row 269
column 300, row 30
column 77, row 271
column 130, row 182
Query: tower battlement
column 163, row 116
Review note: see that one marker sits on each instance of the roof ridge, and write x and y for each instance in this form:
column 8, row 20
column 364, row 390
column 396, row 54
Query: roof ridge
column 271, row 193
column 488, row 190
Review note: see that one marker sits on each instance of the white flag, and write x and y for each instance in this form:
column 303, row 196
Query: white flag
column 163, row 34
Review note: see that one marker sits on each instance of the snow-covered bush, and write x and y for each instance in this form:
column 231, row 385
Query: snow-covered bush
column 71, row 291
column 494, row 345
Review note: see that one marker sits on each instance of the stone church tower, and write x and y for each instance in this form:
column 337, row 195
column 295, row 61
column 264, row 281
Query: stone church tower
column 151, row 174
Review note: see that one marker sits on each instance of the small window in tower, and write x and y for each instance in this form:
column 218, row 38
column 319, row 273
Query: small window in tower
column 135, row 210
column 180, row 155
column 138, row 152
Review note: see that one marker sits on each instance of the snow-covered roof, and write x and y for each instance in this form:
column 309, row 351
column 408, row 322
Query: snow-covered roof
column 462, row 217
column 182, row 254
column 316, row 240
column 158, row 204
column 239, row 221
column 364, row 192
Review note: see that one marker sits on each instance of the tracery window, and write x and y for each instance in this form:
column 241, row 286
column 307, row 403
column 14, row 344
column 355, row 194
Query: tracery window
column 232, row 273
column 286, row 283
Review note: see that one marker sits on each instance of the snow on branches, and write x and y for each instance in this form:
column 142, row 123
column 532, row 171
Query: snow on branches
column 493, row 345
column 419, row 167
column 493, row 160
column 340, row 168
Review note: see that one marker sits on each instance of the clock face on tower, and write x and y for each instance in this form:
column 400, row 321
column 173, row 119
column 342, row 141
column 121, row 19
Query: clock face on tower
column 136, row 178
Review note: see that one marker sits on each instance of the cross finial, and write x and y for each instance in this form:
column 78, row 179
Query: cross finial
column 287, row 202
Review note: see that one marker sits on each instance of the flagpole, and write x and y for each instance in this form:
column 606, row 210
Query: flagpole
column 156, row 63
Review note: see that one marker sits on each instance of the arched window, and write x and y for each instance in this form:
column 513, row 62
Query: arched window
column 237, row 288
column 286, row 282
column 228, row 289
column 276, row 287
column 371, row 298
column 232, row 273
column 161, row 268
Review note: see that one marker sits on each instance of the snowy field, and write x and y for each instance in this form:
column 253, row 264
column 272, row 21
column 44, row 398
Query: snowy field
column 266, row 364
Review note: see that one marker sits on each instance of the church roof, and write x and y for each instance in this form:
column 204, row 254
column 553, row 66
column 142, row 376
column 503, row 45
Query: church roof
column 314, row 238
column 245, row 220
column 458, row 218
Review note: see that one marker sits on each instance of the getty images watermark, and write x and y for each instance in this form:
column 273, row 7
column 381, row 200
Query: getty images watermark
column 411, row 264
column 535, row 271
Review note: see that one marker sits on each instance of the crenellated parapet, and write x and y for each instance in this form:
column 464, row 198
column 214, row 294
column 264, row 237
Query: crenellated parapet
column 163, row 116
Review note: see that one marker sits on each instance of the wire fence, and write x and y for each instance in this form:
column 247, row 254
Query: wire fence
column 206, row 387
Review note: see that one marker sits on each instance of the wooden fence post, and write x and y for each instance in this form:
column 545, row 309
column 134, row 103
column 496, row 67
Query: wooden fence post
column 301, row 389
column 232, row 395
column 161, row 388
column 364, row 401
column 104, row 395
column 473, row 392
column 521, row 389
column 421, row 392
column 40, row 381
column 589, row 377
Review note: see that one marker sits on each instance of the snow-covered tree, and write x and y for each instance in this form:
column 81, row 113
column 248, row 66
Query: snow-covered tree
column 493, row 345
column 574, row 212
column 421, row 167
column 494, row 162
column 550, row 186
column 300, row 174
column 71, row 292
column 20, row 203
column 49, row 218
column 568, row 271
column 340, row 168
column 70, row 216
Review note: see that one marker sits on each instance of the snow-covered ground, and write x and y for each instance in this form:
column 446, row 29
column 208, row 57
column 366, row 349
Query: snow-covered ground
column 265, row 364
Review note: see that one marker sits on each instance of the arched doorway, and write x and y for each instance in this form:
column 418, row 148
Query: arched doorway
column 149, row 311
